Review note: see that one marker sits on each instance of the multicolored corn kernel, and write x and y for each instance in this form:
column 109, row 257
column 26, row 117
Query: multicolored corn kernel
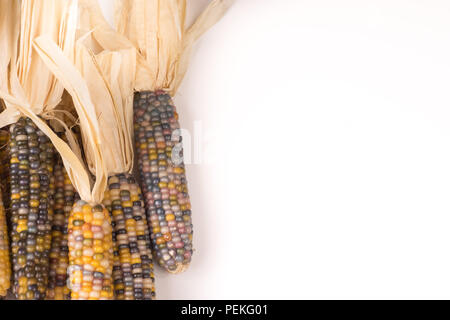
column 133, row 266
column 5, row 265
column 64, row 199
column 90, row 252
column 31, row 192
column 163, row 179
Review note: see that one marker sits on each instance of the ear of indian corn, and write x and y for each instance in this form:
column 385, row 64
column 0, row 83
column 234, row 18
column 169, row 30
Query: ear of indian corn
column 65, row 196
column 90, row 252
column 5, row 263
column 163, row 179
column 133, row 266
column 31, row 166
column 5, row 266
column 108, row 149
column 90, row 230
column 158, row 140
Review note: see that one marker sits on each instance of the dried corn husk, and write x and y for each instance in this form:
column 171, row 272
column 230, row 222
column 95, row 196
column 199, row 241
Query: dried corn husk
column 25, row 77
column 30, row 89
column 63, row 119
column 108, row 80
column 156, row 28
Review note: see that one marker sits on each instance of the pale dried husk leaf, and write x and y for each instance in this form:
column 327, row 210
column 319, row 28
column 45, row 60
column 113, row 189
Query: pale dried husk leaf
column 27, row 86
column 63, row 119
column 65, row 71
column 9, row 34
column 108, row 80
column 25, row 77
column 156, row 28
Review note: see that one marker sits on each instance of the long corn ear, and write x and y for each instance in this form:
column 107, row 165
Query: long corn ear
column 31, row 166
column 163, row 179
column 65, row 196
column 90, row 252
column 5, row 266
column 133, row 265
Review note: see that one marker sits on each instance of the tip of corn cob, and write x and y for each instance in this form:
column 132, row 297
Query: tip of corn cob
column 180, row 269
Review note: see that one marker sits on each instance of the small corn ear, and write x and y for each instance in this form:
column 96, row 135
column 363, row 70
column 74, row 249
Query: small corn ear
column 163, row 179
column 31, row 193
column 65, row 195
column 90, row 252
column 133, row 265
column 5, row 266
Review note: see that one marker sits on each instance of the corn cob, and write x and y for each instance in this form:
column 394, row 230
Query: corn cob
column 5, row 266
column 133, row 266
column 31, row 166
column 90, row 252
column 163, row 180
column 65, row 196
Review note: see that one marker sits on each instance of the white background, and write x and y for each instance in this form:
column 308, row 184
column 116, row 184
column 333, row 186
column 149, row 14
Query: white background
column 325, row 144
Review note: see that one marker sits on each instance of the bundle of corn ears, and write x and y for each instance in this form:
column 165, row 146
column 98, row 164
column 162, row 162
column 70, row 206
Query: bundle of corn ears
column 121, row 83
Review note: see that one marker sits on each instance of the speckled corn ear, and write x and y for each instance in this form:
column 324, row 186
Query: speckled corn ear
column 163, row 179
column 31, row 166
column 133, row 266
column 65, row 196
column 90, row 252
column 5, row 266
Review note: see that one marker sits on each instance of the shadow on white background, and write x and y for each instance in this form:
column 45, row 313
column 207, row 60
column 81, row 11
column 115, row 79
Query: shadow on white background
column 326, row 126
